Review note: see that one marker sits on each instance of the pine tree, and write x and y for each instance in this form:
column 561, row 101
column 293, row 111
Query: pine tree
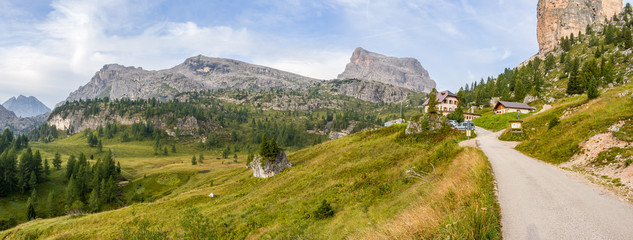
column 47, row 168
column 173, row 148
column 34, row 198
column 432, row 101
column 51, row 205
column 32, row 180
column 70, row 166
column 94, row 202
column 574, row 85
column 99, row 146
column 226, row 152
column 165, row 152
column 201, row 158
column 57, row 161
column 30, row 210
column 193, row 160
column 71, row 193
column 592, row 89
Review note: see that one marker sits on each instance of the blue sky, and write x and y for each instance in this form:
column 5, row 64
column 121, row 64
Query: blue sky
column 48, row 48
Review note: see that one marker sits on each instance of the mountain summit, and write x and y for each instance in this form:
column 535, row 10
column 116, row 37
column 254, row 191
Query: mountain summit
column 401, row 72
column 196, row 73
column 26, row 106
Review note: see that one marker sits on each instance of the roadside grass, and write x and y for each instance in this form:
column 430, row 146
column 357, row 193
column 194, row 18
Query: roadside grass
column 362, row 176
column 462, row 205
column 584, row 119
column 497, row 122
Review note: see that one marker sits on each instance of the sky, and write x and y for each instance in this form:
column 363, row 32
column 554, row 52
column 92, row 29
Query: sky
column 49, row 48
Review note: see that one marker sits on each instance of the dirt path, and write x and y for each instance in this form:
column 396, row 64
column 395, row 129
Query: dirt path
column 539, row 201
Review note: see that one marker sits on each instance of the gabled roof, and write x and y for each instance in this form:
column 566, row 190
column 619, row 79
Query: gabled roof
column 515, row 105
column 441, row 96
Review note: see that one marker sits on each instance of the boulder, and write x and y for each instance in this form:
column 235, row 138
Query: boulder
column 426, row 123
column 265, row 168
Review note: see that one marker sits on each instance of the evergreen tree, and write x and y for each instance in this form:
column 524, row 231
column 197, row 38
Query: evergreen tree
column 47, row 168
column 52, row 212
column 57, row 161
column 30, row 210
column 94, row 202
column 432, row 101
column 575, row 85
column 458, row 114
column 592, row 89
column 33, row 181
column 193, row 160
column 34, row 197
column 165, row 152
column 550, row 62
column 71, row 193
column 201, row 158
column 99, row 146
column 173, row 148
column 226, row 152
column 70, row 166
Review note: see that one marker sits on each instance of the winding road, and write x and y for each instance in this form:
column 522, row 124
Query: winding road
column 539, row 201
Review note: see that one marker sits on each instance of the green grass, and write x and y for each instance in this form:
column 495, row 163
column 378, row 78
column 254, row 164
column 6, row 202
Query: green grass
column 584, row 120
column 362, row 176
column 497, row 122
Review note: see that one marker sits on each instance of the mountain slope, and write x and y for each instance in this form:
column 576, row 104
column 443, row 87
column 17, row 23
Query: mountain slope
column 9, row 120
column 362, row 177
column 26, row 106
column 196, row 73
column 401, row 72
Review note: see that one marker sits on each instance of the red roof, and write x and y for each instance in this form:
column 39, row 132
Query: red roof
column 441, row 96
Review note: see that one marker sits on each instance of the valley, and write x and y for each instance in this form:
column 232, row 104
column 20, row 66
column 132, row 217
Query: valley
column 219, row 148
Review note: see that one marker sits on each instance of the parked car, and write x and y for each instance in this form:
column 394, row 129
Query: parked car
column 465, row 126
column 453, row 123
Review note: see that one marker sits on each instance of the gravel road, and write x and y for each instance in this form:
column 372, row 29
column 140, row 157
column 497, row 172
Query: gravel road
column 539, row 201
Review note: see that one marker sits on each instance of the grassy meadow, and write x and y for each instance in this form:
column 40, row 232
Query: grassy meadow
column 363, row 179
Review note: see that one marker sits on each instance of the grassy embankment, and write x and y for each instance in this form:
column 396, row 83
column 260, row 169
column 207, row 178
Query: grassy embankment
column 363, row 177
column 584, row 119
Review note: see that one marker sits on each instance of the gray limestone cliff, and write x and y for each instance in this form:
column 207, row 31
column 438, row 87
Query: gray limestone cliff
column 402, row 72
column 195, row 74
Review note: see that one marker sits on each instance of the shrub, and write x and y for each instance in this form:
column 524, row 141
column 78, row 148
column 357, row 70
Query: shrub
column 323, row 211
column 553, row 123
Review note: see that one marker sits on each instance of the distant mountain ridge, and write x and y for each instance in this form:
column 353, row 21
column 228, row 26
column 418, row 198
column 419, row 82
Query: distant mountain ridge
column 24, row 106
column 401, row 72
column 9, row 120
column 195, row 73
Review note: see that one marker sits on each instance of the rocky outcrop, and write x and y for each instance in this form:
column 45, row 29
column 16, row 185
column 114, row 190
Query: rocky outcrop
column 75, row 122
column 561, row 18
column 196, row 73
column 263, row 168
column 402, row 72
column 26, row 106
column 425, row 123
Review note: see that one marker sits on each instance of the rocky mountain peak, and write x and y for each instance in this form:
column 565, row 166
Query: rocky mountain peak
column 401, row 72
column 195, row 73
column 561, row 18
column 24, row 106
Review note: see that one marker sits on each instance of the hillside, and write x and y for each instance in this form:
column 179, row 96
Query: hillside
column 363, row 178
